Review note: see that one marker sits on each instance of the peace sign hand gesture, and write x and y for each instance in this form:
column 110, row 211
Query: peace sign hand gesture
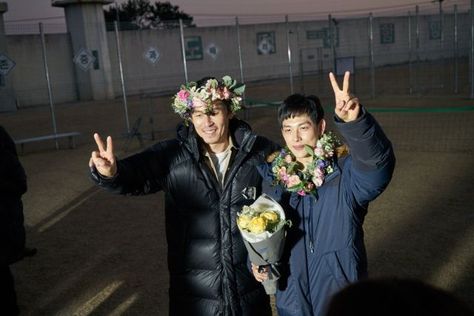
column 347, row 105
column 104, row 159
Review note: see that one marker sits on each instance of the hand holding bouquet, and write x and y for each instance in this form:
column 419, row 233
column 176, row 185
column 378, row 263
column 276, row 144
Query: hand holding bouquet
column 261, row 225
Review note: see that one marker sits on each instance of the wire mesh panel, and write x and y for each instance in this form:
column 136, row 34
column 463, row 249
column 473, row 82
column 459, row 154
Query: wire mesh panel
column 417, row 51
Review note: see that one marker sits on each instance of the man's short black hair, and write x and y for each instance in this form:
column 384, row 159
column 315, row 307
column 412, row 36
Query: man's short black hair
column 202, row 82
column 299, row 104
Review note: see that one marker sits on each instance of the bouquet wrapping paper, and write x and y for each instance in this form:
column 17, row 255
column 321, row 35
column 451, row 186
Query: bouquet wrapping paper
column 265, row 248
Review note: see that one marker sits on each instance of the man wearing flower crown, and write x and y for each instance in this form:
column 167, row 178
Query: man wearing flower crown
column 325, row 192
column 208, row 172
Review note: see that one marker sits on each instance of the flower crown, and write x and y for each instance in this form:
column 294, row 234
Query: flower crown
column 226, row 90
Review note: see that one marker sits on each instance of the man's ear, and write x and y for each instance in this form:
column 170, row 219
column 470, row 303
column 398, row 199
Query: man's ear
column 322, row 127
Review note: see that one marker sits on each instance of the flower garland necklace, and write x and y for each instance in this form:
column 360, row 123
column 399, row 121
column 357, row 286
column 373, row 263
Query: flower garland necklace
column 295, row 177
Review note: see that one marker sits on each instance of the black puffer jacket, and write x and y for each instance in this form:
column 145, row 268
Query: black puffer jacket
column 12, row 187
column 207, row 259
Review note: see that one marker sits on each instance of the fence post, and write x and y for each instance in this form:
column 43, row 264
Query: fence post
column 471, row 69
column 241, row 67
column 183, row 50
column 289, row 53
column 442, row 73
column 48, row 81
column 371, row 54
column 122, row 79
column 331, row 42
column 410, row 66
column 417, row 45
column 239, row 47
column 456, row 70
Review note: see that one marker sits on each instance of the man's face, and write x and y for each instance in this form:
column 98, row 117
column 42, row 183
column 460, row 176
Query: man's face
column 213, row 127
column 299, row 131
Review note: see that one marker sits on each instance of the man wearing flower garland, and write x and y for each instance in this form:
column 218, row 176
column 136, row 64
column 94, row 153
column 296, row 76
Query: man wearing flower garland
column 325, row 192
column 207, row 173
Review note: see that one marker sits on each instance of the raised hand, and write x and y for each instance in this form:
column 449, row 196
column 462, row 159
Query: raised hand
column 103, row 159
column 347, row 105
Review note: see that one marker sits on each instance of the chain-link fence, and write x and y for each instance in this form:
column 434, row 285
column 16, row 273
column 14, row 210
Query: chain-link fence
column 418, row 54
column 415, row 54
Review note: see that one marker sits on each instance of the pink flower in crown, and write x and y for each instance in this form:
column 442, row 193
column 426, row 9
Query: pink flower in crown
column 183, row 95
column 220, row 93
column 288, row 159
column 301, row 192
column 226, row 93
column 293, row 180
column 196, row 102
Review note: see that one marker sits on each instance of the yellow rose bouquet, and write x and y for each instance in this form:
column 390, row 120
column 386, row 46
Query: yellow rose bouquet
column 258, row 221
column 262, row 227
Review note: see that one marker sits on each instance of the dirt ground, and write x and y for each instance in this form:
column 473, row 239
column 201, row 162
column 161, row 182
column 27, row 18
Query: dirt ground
column 100, row 254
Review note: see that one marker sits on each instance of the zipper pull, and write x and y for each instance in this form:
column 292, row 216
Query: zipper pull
column 311, row 246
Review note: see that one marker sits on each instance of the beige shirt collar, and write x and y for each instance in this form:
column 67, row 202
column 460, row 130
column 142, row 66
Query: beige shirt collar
column 225, row 162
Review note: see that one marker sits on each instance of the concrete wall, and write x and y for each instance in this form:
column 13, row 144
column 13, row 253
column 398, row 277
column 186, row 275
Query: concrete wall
column 29, row 79
column 142, row 76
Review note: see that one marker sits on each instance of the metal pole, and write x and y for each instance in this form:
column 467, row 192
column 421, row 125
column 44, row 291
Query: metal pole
column 417, row 44
column 472, row 50
column 48, row 81
column 237, row 26
column 441, row 44
column 371, row 47
column 183, row 50
column 441, row 22
column 289, row 53
column 456, row 70
column 122, row 80
column 410, row 70
column 117, row 15
column 331, row 41
column 300, row 55
column 241, row 66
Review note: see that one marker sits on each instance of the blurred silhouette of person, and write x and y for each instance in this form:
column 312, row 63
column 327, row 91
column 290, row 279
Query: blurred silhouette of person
column 394, row 297
column 12, row 239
